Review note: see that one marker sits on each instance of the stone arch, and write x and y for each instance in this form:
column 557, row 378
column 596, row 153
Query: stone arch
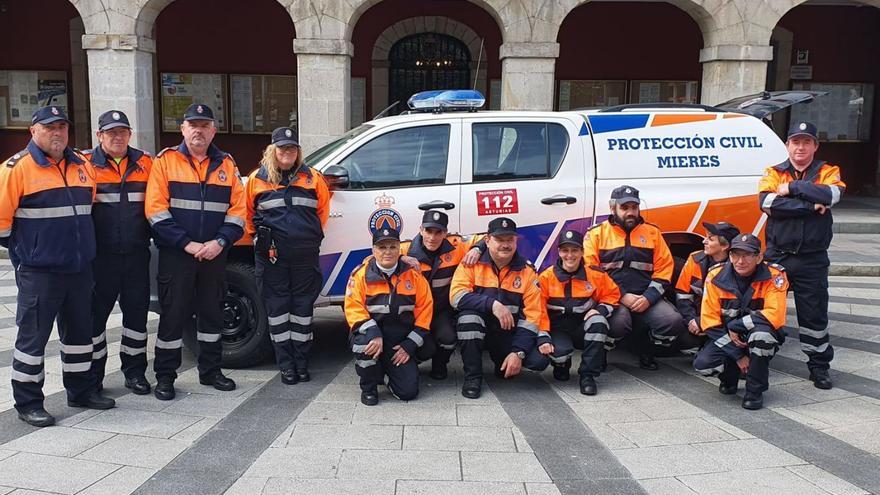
column 417, row 25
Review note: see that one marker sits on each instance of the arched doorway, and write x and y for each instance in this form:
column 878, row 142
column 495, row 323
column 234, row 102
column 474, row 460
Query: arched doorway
column 427, row 61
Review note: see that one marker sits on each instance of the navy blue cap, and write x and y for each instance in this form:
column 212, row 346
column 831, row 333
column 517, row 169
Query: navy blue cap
column 572, row 237
column 47, row 115
column 502, row 226
column 625, row 194
column 113, row 119
column 285, row 136
column 435, row 219
column 197, row 111
column 803, row 129
column 746, row 242
column 722, row 229
column 384, row 234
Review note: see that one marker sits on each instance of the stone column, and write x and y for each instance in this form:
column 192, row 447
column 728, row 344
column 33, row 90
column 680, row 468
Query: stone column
column 733, row 70
column 528, row 75
column 121, row 77
column 323, row 77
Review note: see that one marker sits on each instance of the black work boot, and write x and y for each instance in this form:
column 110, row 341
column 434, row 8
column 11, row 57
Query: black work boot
column 562, row 372
column 588, row 385
column 820, row 378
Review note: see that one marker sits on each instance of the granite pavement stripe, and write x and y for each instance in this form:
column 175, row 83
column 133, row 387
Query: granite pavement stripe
column 548, row 425
column 846, row 381
column 835, row 456
column 12, row 428
column 210, row 466
column 849, row 343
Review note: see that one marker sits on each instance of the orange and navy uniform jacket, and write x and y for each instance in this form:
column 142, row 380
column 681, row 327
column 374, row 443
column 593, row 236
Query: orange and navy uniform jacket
column 46, row 211
column 568, row 294
column 296, row 209
column 398, row 308
column 438, row 268
column 189, row 201
column 639, row 262
column 118, row 212
column 794, row 225
column 477, row 287
column 725, row 307
column 689, row 288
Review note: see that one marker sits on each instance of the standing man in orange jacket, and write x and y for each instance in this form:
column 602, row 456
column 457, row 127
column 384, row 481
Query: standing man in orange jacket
column 122, row 264
column 636, row 256
column 195, row 204
column 46, row 193
column 743, row 312
column 797, row 195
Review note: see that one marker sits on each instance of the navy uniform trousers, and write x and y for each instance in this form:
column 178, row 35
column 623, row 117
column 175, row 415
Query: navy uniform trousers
column 403, row 380
column 572, row 331
column 125, row 277
column 289, row 289
column 808, row 278
column 188, row 286
column 42, row 297
column 477, row 331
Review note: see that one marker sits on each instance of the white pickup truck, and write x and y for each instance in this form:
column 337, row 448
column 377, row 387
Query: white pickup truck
column 546, row 170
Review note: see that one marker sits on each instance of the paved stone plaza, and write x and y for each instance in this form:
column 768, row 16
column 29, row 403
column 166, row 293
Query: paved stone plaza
column 665, row 432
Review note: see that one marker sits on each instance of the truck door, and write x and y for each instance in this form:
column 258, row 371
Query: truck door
column 530, row 169
column 405, row 167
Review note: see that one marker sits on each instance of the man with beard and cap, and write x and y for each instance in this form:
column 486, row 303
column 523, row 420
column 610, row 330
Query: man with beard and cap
column 122, row 265
column 500, row 307
column 388, row 306
column 636, row 256
column 46, row 194
column 578, row 299
column 689, row 289
column 797, row 195
column 743, row 312
column 437, row 254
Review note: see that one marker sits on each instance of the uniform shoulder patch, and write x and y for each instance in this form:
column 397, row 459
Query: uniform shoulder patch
column 777, row 266
column 172, row 148
column 12, row 160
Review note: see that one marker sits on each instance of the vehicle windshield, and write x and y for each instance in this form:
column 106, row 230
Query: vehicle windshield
column 315, row 157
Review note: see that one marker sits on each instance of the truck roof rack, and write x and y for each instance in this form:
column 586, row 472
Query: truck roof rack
column 670, row 106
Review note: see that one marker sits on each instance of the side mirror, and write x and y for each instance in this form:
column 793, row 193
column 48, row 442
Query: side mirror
column 336, row 176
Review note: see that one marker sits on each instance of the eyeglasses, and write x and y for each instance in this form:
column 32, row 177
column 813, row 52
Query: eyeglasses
column 741, row 255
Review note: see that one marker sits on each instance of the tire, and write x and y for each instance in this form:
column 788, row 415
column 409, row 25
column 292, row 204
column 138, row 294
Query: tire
column 245, row 326
column 679, row 264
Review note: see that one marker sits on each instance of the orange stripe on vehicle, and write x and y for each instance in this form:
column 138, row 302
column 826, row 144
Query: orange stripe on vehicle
column 672, row 218
column 741, row 211
column 680, row 119
column 733, row 115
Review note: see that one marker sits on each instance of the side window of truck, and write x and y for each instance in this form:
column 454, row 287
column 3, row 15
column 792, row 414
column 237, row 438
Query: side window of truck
column 413, row 156
column 517, row 150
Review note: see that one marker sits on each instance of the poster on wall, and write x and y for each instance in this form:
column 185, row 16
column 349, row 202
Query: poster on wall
column 262, row 103
column 575, row 94
column 180, row 90
column 664, row 92
column 23, row 92
column 844, row 114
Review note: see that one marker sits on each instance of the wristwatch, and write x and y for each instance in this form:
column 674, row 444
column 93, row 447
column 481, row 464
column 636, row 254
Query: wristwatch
column 222, row 242
column 521, row 354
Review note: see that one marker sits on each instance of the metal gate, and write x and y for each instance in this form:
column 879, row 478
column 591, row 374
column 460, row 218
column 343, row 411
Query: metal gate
column 427, row 61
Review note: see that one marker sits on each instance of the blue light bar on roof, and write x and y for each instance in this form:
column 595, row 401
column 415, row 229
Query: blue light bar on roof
column 451, row 99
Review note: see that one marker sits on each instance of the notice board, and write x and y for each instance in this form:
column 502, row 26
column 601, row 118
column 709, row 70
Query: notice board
column 261, row 103
column 22, row 92
column 182, row 89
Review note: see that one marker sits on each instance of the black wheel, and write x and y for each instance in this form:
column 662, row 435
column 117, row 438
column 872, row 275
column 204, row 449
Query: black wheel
column 245, row 327
column 679, row 264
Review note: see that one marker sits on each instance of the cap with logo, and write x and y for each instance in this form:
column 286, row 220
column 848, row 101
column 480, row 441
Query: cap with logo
column 502, row 226
column 803, row 129
column 625, row 194
column 385, row 234
column 197, row 111
column 572, row 237
column 48, row 115
column 722, row 229
column 112, row 119
column 746, row 242
column 435, row 219
column 285, row 136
